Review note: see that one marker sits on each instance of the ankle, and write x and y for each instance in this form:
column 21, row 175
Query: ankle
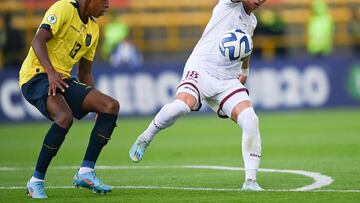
column 33, row 179
column 83, row 170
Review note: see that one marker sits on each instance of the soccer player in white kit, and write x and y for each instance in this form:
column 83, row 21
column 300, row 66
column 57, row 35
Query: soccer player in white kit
column 209, row 78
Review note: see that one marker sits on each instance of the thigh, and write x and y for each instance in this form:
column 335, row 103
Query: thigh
column 95, row 101
column 57, row 106
column 75, row 96
column 188, row 90
column 198, row 83
column 231, row 94
column 35, row 91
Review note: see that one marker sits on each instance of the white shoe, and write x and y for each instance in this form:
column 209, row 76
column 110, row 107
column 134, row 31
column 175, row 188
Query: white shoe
column 251, row 185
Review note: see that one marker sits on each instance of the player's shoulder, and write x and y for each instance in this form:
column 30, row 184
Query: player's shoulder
column 93, row 26
column 253, row 19
column 67, row 4
column 250, row 18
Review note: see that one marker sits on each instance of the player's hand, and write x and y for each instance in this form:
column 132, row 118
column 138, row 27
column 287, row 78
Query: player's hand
column 242, row 79
column 56, row 82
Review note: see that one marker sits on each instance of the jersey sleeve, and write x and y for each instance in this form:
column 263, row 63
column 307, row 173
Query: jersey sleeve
column 90, row 54
column 57, row 15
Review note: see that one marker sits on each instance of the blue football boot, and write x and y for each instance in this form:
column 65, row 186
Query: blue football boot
column 137, row 150
column 36, row 190
column 90, row 181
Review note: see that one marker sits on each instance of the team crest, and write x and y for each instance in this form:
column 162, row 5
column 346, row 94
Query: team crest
column 52, row 19
column 88, row 40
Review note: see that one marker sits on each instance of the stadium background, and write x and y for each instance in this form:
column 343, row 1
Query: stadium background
column 284, row 75
column 289, row 86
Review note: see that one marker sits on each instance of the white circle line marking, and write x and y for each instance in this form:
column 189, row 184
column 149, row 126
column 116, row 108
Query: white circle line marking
column 320, row 180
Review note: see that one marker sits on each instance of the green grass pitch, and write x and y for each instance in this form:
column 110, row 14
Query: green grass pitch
column 322, row 141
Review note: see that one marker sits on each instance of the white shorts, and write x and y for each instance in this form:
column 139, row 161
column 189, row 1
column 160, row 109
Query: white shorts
column 221, row 95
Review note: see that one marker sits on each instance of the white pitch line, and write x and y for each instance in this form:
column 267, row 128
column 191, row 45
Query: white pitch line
column 320, row 180
column 186, row 189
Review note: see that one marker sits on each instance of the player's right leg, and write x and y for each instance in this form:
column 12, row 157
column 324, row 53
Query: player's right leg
column 187, row 98
column 54, row 138
column 55, row 108
column 167, row 116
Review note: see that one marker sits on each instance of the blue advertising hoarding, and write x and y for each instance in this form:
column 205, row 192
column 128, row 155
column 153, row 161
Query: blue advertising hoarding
column 283, row 84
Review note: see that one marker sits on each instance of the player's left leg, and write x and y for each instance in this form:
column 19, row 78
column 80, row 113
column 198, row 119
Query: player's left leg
column 244, row 115
column 107, row 110
column 83, row 100
column 235, row 103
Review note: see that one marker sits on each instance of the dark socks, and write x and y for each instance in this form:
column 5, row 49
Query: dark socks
column 100, row 135
column 52, row 142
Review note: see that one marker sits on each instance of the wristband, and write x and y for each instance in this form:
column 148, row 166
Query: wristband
column 244, row 72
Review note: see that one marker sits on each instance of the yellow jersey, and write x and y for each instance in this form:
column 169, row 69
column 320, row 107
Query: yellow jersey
column 72, row 39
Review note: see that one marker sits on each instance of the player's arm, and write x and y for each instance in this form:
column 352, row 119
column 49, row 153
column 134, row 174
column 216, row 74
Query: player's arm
column 85, row 72
column 244, row 70
column 40, row 49
column 52, row 22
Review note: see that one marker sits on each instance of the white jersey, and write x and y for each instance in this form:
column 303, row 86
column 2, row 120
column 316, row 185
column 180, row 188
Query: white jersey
column 227, row 15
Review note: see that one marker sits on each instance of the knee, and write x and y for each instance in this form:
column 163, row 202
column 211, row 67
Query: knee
column 64, row 119
column 248, row 119
column 254, row 120
column 251, row 123
column 112, row 107
column 170, row 112
column 187, row 99
column 178, row 108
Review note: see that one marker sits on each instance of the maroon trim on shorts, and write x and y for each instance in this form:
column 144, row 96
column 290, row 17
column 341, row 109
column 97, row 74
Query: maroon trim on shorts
column 228, row 97
column 198, row 93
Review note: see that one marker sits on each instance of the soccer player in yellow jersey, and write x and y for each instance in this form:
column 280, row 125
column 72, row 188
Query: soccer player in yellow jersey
column 68, row 34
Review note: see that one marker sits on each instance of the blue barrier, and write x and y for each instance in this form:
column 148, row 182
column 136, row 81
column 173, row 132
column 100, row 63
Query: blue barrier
column 278, row 85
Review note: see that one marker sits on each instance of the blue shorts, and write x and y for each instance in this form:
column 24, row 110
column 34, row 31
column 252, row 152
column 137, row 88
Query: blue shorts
column 35, row 92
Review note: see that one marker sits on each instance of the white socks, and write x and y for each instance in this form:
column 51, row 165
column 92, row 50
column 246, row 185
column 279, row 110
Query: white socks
column 165, row 118
column 247, row 119
column 251, row 143
column 33, row 179
column 83, row 170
